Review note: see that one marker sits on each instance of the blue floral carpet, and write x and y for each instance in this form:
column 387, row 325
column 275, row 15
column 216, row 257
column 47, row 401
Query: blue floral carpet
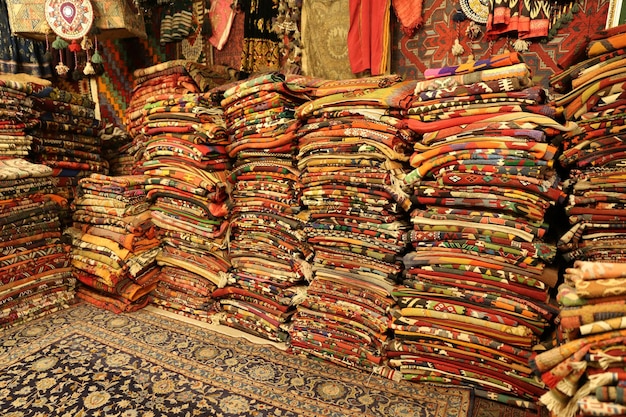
column 89, row 362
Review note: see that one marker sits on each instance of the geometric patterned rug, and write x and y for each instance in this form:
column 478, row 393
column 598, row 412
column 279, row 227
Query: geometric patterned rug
column 431, row 45
column 91, row 362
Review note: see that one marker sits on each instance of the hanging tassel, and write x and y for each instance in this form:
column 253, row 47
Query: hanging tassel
column 76, row 74
column 59, row 43
column 74, row 46
column 89, row 69
column 521, row 45
column 458, row 16
column 62, row 69
column 96, row 58
column 457, row 48
column 48, row 55
column 86, row 44
column 473, row 31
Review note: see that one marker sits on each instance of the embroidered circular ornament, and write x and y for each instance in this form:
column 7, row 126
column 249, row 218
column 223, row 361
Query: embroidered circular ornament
column 476, row 10
column 70, row 19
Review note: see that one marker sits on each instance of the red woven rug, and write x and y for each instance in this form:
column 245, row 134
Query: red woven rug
column 431, row 45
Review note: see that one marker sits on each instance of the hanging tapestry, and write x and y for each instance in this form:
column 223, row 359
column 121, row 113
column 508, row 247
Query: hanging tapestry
column 431, row 46
column 260, row 44
column 369, row 36
column 409, row 14
column 222, row 14
column 18, row 55
column 325, row 25
column 528, row 19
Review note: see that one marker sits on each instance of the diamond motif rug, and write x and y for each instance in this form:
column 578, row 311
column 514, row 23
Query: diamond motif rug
column 89, row 362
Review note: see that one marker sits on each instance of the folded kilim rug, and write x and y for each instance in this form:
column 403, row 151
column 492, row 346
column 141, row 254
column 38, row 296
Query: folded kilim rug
column 86, row 361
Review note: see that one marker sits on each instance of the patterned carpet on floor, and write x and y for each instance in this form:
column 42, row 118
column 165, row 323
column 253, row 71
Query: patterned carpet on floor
column 89, row 362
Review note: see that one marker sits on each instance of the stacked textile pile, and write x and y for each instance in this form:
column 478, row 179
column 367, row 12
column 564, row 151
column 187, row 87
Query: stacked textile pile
column 116, row 149
column 154, row 95
column 17, row 118
column 586, row 374
column 352, row 157
column 114, row 249
column 35, row 272
column 267, row 247
column 67, row 137
column 475, row 294
column 185, row 162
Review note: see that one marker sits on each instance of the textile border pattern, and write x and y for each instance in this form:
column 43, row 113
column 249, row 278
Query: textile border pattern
column 85, row 359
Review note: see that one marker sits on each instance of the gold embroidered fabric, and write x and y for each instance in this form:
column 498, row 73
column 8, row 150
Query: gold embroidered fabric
column 325, row 25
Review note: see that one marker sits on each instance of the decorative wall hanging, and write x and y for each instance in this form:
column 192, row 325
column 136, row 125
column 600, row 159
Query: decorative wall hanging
column 192, row 47
column 112, row 19
column 287, row 26
column 476, row 10
column 325, row 25
column 69, row 19
column 409, row 14
column 221, row 15
column 430, row 47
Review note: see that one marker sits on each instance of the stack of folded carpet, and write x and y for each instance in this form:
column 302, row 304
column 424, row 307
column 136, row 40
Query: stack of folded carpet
column 155, row 93
column 114, row 249
column 185, row 162
column 35, row 272
column 586, row 374
column 117, row 150
column 267, row 246
column 17, row 118
column 352, row 157
column 475, row 295
column 67, row 137
column 594, row 96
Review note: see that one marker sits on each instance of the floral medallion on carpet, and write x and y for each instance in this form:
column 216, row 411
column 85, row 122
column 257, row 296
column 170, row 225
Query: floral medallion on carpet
column 88, row 362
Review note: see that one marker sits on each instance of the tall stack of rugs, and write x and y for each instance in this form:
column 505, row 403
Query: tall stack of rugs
column 474, row 299
column 586, row 373
column 185, row 163
column 18, row 118
column 352, row 161
column 67, row 137
column 267, row 246
column 114, row 249
column 35, row 272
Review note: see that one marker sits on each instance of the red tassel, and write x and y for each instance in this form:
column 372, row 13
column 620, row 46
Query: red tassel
column 74, row 46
